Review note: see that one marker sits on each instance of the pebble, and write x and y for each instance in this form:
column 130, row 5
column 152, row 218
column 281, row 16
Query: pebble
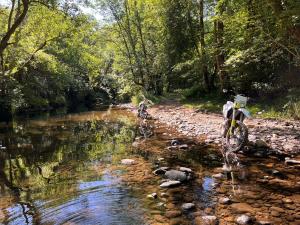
column 261, row 143
column 152, row 196
column 218, row 176
column 208, row 220
column 291, row 161
column 128, row 161
column 243, row 220
column 171, row 183
column 185, row 169
column 224, row 201
column 173, row 214
column 188, row 206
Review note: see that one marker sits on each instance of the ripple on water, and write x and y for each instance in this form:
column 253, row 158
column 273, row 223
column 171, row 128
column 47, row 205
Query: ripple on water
column 99, row 202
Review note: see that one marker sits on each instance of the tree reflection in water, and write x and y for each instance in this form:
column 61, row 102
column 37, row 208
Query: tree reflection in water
column 48, row 158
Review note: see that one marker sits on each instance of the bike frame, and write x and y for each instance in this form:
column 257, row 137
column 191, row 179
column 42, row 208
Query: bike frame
column 233, row 121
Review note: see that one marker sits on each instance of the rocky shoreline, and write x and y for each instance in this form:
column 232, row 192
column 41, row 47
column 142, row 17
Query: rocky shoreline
column 267, row 136
column 186, row 183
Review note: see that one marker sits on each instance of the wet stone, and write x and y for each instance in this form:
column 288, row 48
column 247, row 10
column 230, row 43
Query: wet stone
column 188, row 206
column 218, row 176
column 152, row 196
column 185, row 169
column 173, row 214
column 242, row 208
column 160, row 171
column 291, row 161
column 243, row 220
column 206, row 220
column 261, row 143
column 176, row 175
column 264, row 222
column 224, row 201
column 128, row 161
column 184, row 146
column 277, row 209
column 172, row 183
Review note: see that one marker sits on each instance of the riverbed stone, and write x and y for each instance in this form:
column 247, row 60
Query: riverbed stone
column 160, row 171
column 184, row 146
column 264, row 222
column 128, row 161
column 218, row 176
column 206, row 220
column 243, row 220
column 188, row 206
column 152, row 196
column 173, row 214
column 242, row 208
column 176, row 175
column 224, row 201
column 171, row 183
column 261, row 143
column 278, row 209
column 291, row 161
column 185, row 169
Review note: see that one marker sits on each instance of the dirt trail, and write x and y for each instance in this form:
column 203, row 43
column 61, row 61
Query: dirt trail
column 279, row 136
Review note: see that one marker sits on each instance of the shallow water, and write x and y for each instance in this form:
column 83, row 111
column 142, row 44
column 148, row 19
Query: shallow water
column 66, row 170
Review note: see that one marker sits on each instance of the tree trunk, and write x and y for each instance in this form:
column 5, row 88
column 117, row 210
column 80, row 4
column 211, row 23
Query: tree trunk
column 202, row 43
column 11, row 30
column 14, row 26
column 220, row 57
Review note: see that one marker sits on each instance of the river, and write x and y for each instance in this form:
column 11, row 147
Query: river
column 67, row 169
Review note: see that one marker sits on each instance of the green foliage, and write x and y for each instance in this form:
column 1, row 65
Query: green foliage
column 60, row 56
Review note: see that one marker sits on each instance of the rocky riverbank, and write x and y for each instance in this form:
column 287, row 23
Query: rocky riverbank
column 185, row 182
column 281, row 137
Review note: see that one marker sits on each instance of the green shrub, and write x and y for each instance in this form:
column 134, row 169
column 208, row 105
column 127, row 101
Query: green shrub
column 193, row 92
column 136, row 99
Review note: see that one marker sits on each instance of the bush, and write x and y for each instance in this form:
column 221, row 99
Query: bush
column 136, row 99
column 193, row 92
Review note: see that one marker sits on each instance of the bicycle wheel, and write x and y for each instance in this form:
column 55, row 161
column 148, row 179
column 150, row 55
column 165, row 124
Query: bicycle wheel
column 238, row 138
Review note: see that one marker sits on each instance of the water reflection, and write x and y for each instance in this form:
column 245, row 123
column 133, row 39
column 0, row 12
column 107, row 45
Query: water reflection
column 52, row 170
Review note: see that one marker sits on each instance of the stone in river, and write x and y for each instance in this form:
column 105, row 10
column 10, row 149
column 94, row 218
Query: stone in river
column 242, row 208
column 152, row 196
column 264, row 222
column 206, row 220
column 128, row 161
column 218, row 176
column 184, row 146
column 224, row 201
column 173, row 214
column 185, row 169
column 160, row 171
column 171, row 183
column 243, row 220
column 176, row 175
column 174, row 142
column 291, row 161
column 188, row 206
column 261, row 143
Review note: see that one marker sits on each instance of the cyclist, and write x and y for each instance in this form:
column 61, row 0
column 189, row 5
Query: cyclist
column 143, row 105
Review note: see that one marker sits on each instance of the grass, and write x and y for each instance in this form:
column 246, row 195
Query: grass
column 209, row 103
column 264, row 108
